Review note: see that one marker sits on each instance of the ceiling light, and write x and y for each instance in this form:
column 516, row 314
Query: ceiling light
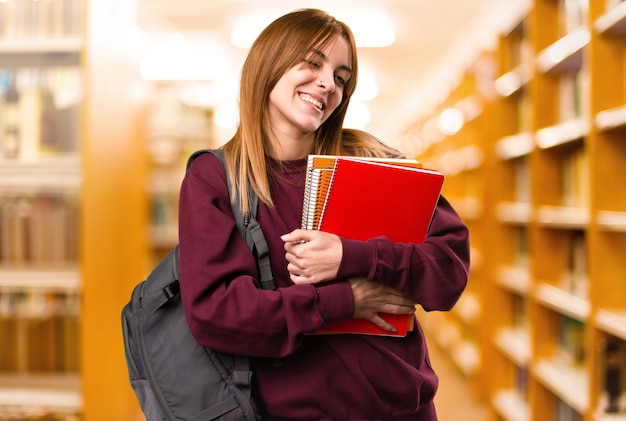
column 248, row 27
column 371, row 27
column 178, row 58
column 450, row 121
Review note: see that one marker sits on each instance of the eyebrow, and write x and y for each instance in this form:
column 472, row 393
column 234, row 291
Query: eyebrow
column 324, row 57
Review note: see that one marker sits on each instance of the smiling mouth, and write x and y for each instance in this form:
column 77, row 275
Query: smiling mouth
column 311, row 100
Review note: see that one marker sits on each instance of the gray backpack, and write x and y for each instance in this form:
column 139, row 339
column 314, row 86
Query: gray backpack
column 175, row 378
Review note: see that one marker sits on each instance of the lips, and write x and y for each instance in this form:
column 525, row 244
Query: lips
column 308, row 98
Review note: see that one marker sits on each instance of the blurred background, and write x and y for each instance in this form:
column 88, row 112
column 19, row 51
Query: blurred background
column 520, row 103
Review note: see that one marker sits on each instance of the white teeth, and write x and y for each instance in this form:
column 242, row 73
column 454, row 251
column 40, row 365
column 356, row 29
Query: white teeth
column 309, row 99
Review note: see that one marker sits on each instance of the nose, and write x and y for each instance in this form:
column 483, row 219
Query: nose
column 327, row 82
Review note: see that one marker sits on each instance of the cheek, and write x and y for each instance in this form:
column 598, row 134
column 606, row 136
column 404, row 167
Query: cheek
column 334, row 101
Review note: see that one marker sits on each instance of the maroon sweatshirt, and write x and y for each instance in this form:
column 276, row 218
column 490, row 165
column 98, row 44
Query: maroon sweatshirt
column 333, row 377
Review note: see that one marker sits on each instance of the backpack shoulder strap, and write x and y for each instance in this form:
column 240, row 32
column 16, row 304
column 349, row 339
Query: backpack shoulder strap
column 247, row 225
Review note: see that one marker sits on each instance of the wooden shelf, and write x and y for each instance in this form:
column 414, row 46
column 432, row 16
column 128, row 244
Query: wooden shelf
column 40, row 394
column 615, row 118
column 569, row 383
column 613, row 21
column 515, row 344
column 514, row 81
column 611, row 221
column 516, row 280
column 566, row 54
column 466, row 357
column 164, row 236
column 468, row 207
column 610, row 417
column 552, row 229
column 613, row 322
column 515, row 212
column 562, row 134
column 563, row 217
column 510, row 406
column 103, row 179
column 562, row 302
column 73, row 45
column 468, row 308
column 53, row 173
column 63, row 279
column 515, row 146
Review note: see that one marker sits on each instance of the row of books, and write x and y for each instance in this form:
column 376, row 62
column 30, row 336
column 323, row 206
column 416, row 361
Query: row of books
column 573, row 97
column 564, row 412
column 164, row 211
column 574, row 173
column 39, row 111
column 26, row 413
column 572, row 15
column 38, row 229
column 521, row 382
column 571, row 341
column 37, row 304
column 524, row 111
column 613, row 382
column 575, row 276
column 24, row 19
column 521, row 180
column 36, row 346
column 520, row 313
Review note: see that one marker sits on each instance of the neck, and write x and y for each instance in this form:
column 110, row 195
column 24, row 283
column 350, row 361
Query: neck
column 287, row 148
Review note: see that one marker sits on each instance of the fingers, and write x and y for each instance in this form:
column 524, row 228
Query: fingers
column 381, row 323
column 297, row 236
column 312, row 256
column 397, row 309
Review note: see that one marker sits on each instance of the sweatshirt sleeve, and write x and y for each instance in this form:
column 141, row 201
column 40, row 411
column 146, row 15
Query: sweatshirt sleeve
column 433, row 273
column 223, row 304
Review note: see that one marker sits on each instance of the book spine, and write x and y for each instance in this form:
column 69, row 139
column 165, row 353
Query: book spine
column 38, row 229
column 614, row 376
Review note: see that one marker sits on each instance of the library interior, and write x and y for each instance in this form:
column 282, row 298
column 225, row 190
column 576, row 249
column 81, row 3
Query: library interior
column 521, row 104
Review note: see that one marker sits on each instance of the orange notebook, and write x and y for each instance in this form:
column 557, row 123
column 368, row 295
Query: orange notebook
column 366, row 199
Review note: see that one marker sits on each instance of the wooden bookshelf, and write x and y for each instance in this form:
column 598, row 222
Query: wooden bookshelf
column 552, row 223
column 175, row 128
column 462, row 156
column 72, row 208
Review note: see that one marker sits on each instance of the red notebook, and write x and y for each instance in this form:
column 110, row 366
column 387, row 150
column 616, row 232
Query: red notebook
column 370, row 199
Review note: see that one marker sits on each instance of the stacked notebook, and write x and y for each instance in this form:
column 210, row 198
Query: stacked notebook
column 363, row 198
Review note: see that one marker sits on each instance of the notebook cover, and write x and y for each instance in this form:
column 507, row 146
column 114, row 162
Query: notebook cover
column 370, row 199
column 319, row 174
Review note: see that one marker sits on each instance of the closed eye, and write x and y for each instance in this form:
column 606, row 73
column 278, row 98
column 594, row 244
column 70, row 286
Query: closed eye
column 341, row 80
column 312, row 63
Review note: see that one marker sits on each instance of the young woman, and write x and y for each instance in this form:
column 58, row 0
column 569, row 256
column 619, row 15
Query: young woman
column 295, row 88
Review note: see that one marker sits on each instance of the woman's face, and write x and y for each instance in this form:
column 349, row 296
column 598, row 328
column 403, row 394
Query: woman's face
column 308, row 93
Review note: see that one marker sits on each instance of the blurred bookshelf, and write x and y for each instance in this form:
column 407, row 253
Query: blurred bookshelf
column 175, row 128
column 59, row 309
column 547, row 271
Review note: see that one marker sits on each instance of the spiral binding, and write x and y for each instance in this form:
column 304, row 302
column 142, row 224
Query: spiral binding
column 317, row 185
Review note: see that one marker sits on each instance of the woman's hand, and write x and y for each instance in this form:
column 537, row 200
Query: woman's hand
column 312, row 256
column 371, row 298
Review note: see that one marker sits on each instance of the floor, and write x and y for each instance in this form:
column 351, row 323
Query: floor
column 454, row 400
